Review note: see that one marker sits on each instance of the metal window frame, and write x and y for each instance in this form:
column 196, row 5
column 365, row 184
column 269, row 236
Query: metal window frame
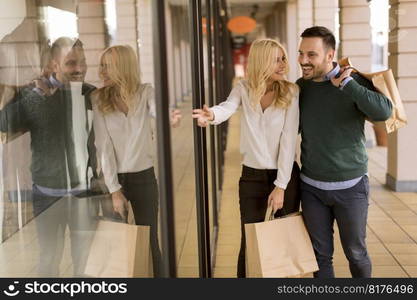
column 213, row 131
column 200, row 142
column 166, row 191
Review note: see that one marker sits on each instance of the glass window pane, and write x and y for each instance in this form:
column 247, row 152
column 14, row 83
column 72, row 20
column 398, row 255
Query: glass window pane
column 78, row 131
column 179, row 66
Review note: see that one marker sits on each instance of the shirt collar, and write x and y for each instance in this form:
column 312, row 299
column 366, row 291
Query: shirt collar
column 333, row 72
column 55, row 82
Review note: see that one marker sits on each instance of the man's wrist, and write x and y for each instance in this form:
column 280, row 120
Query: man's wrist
column 344, row 82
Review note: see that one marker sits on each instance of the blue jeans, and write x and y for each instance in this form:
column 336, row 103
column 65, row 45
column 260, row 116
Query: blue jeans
column 52, row 216
column 349, row 207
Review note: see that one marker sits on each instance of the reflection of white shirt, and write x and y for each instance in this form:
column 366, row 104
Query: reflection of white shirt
column 124, row 143
column 80, row 119
column 268, row 138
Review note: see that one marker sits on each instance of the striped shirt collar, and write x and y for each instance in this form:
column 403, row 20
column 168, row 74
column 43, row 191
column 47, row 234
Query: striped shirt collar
column 333, row 72
column 55, row 82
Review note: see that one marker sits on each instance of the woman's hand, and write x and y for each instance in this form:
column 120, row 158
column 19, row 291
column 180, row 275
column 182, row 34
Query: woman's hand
column 276, row 199
column 175, row 117
column 203, row 116
column 119, row 203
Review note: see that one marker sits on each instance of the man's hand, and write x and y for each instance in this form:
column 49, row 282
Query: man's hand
column 42, row 86
column 175, row 117
column 203, row 116
column 344, row 73
column 276, row 199
column 119, row 203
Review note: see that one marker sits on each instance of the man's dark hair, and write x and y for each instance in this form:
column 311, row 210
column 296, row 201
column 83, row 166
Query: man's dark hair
column 64, row 42
column 322, row 32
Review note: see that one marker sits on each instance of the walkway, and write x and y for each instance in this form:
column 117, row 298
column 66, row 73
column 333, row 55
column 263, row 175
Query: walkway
column 392, row 222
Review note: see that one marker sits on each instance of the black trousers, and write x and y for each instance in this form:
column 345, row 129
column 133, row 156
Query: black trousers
column 141, row 190
column 254, row 188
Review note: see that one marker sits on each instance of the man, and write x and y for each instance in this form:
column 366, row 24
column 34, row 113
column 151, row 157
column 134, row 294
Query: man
column 57, row 113
column 334, row 103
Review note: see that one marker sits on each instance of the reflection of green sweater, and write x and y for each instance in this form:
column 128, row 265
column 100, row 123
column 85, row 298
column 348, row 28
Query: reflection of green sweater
column 332, row 127
column 49, row 121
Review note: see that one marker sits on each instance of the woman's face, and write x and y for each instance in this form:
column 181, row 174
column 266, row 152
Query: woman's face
column 104, row 75
column 280, row 66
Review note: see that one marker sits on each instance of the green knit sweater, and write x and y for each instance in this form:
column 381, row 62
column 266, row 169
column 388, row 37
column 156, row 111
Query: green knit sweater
column 49, row 121
column 332, row 127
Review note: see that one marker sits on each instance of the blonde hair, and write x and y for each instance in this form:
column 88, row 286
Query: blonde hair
column 122, row 69
column 261, row 64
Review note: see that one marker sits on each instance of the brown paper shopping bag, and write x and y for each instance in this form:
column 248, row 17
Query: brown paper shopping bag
column 384, row 83
column 279, row 248
column 120, row 250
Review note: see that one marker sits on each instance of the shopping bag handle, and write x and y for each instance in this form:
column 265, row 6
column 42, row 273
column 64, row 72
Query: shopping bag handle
column 115, row 219
column 269, row 215
column 129, row 218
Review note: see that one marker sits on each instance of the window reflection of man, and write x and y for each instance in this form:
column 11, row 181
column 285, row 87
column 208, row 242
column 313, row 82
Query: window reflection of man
column 57, row 113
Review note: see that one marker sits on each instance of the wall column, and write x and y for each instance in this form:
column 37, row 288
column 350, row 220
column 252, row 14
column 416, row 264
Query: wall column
column 402, row 145
column 127, row 31
column 355, row 34
column 325, row 12
column 92, row 33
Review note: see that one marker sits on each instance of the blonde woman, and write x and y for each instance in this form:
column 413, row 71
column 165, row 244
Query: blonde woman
column 269, row 128
column 123, row 109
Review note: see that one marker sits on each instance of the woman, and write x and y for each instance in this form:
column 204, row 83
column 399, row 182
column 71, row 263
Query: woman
column 123, row 108
column 269, row 128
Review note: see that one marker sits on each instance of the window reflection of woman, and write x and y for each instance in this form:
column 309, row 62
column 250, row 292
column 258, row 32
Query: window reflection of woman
column 123, row 109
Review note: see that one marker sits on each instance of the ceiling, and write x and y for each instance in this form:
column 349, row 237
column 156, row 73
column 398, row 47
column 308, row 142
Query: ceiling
column 258, row 9
column 240, row 7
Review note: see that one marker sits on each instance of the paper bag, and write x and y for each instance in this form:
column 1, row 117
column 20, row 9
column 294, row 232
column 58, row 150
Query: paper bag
column 120, row 250
column 279, row 248
column 384, row 83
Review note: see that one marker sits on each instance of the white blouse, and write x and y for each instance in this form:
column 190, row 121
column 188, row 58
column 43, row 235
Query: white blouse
column 267, row 139
column 124, row 142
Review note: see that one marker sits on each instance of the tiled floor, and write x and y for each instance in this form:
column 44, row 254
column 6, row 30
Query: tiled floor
column 391, row 230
